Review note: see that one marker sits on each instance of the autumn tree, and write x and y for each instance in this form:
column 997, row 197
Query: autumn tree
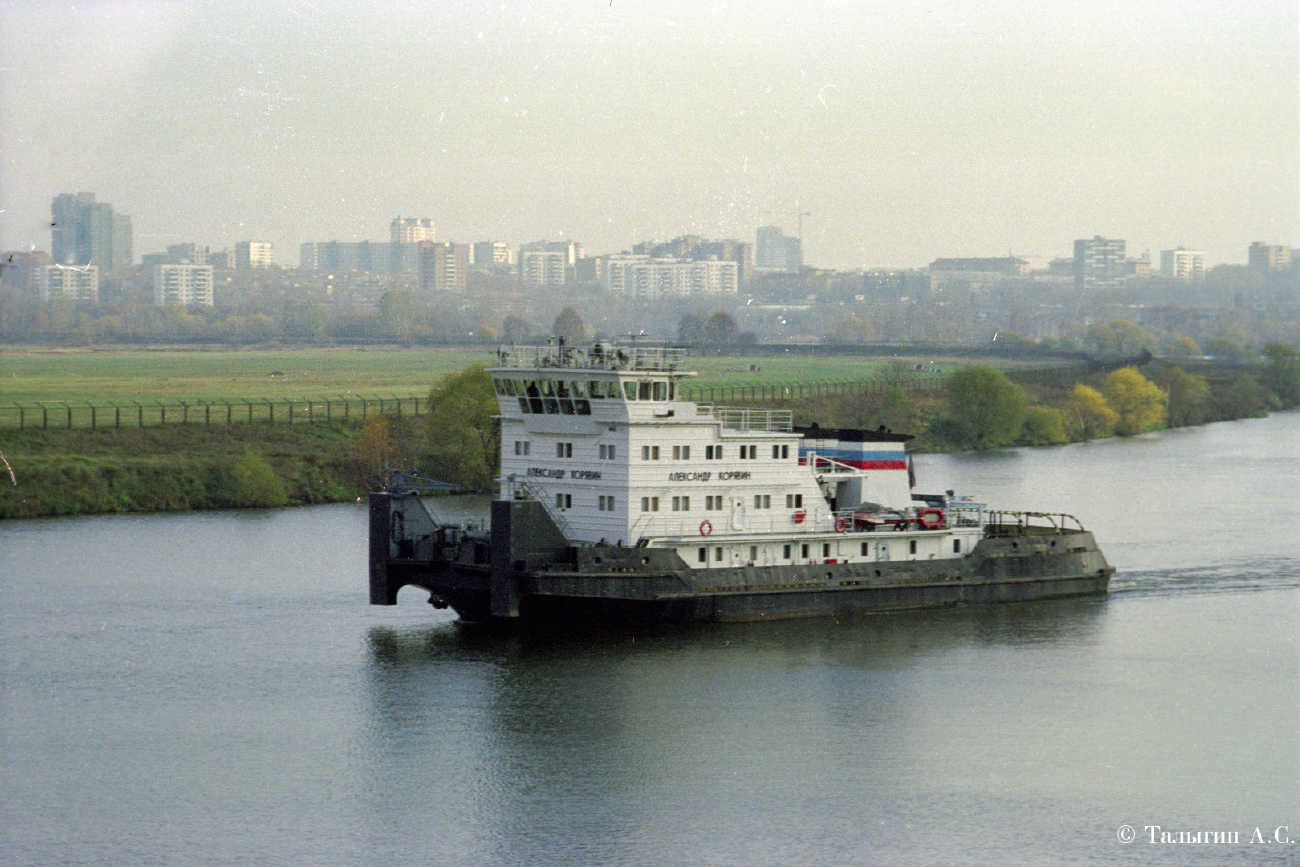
column 514, row 329
column 987, row 409
column 569, row 327
column 1087, row 415
column 1139, row 403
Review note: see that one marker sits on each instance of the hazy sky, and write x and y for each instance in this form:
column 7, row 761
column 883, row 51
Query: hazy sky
column 904, row 130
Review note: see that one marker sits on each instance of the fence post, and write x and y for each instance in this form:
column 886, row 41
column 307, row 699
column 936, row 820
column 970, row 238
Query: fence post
column 92, row 416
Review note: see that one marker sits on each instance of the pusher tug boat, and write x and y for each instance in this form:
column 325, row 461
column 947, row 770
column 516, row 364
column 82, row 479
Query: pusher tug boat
column 620, row 501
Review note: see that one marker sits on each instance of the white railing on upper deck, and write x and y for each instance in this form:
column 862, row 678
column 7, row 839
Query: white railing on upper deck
column 602, row 356
column 748, row 418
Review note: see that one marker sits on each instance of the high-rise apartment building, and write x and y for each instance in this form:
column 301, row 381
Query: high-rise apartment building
column 182, row 284
column 548, row 263
column 22, row 273
column 1181, row 264
column 254, row 254
column 1269, row 257
column 412, row 230
column 490, row 254
column 443, row 267
column 1098, row 263
column 86, row 232
column 76, row 284
column 649, row 279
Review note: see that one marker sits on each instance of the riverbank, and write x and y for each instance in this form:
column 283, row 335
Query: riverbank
column 184, row 467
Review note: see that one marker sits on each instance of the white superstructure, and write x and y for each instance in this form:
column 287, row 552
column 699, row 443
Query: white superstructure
column 603, row 440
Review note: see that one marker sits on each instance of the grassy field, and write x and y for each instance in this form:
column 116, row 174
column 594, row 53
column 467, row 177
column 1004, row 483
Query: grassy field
column 103, row 376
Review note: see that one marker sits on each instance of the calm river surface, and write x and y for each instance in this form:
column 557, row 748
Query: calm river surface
column 213, row 689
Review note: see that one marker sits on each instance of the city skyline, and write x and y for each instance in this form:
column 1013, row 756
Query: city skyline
column 894, row 135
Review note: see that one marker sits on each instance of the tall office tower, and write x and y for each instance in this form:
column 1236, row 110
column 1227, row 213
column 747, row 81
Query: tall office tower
column 443, row 266
column 182, row 284
column 1098, row 263
column 1182, row 264
column 254, row 254
column 412, row 230
column 775, row 251
column 78, row 284
column 1269, row 257
column 85, row 232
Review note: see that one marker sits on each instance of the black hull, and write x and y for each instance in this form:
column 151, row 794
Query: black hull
column 524, row 573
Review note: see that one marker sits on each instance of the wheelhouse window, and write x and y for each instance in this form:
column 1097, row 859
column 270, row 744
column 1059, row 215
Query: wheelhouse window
column 681, row 453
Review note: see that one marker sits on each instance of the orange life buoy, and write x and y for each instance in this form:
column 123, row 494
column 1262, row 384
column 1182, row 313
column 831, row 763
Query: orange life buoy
column 841, row 524
column 706, row 528
column 930, row 518
column 799, row 516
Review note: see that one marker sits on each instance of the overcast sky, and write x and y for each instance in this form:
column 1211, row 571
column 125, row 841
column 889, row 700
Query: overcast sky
column 905, row 131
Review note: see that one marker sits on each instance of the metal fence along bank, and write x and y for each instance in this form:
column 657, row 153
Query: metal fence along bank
column 92, row 415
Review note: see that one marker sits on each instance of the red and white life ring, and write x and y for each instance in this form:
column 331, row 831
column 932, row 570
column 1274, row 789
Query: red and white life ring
column 930, row 518
column 706, row 528
column 841, row 524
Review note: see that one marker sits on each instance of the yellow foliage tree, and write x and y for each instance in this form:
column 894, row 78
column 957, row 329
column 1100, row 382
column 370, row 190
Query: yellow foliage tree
column 1138, row 402
column 1087, row 416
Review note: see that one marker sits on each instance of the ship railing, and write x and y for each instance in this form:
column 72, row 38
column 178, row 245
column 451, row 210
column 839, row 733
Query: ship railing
column 747, row 418
column 1002, row 524
column 602, row 356
column 822, row 464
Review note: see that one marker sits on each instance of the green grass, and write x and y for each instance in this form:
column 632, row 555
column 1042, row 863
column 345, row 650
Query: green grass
column 105, row 376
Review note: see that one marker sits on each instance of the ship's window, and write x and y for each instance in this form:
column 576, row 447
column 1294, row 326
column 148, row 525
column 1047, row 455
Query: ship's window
column 522, row 447
column 579, row 388
column 762, row 501
column 562, row 388
column 911, row 547
column 681, row 453
column 649, row 453
column 523, row 405
column 786, row 551
column 564, row 450
column 866, row 548
column 548, row 387
column 713, row 503
column 794, row 501
column 681, row 504
column 649, row 504
column 780, row 452
column 629, row 390
column 643, row 391
column 582, row 406
column 566, row 406
column 564, row 501
column 704, row 555
column 552, row 405
column 672, row 391
column 499, row 386
column 717, row 554
column 661, row 390
column 753, row 553
column 748, row 452
column 518, row 387
column 803, row 550
column 956, row 546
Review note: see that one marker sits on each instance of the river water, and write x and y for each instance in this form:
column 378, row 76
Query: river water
column 213, row 689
